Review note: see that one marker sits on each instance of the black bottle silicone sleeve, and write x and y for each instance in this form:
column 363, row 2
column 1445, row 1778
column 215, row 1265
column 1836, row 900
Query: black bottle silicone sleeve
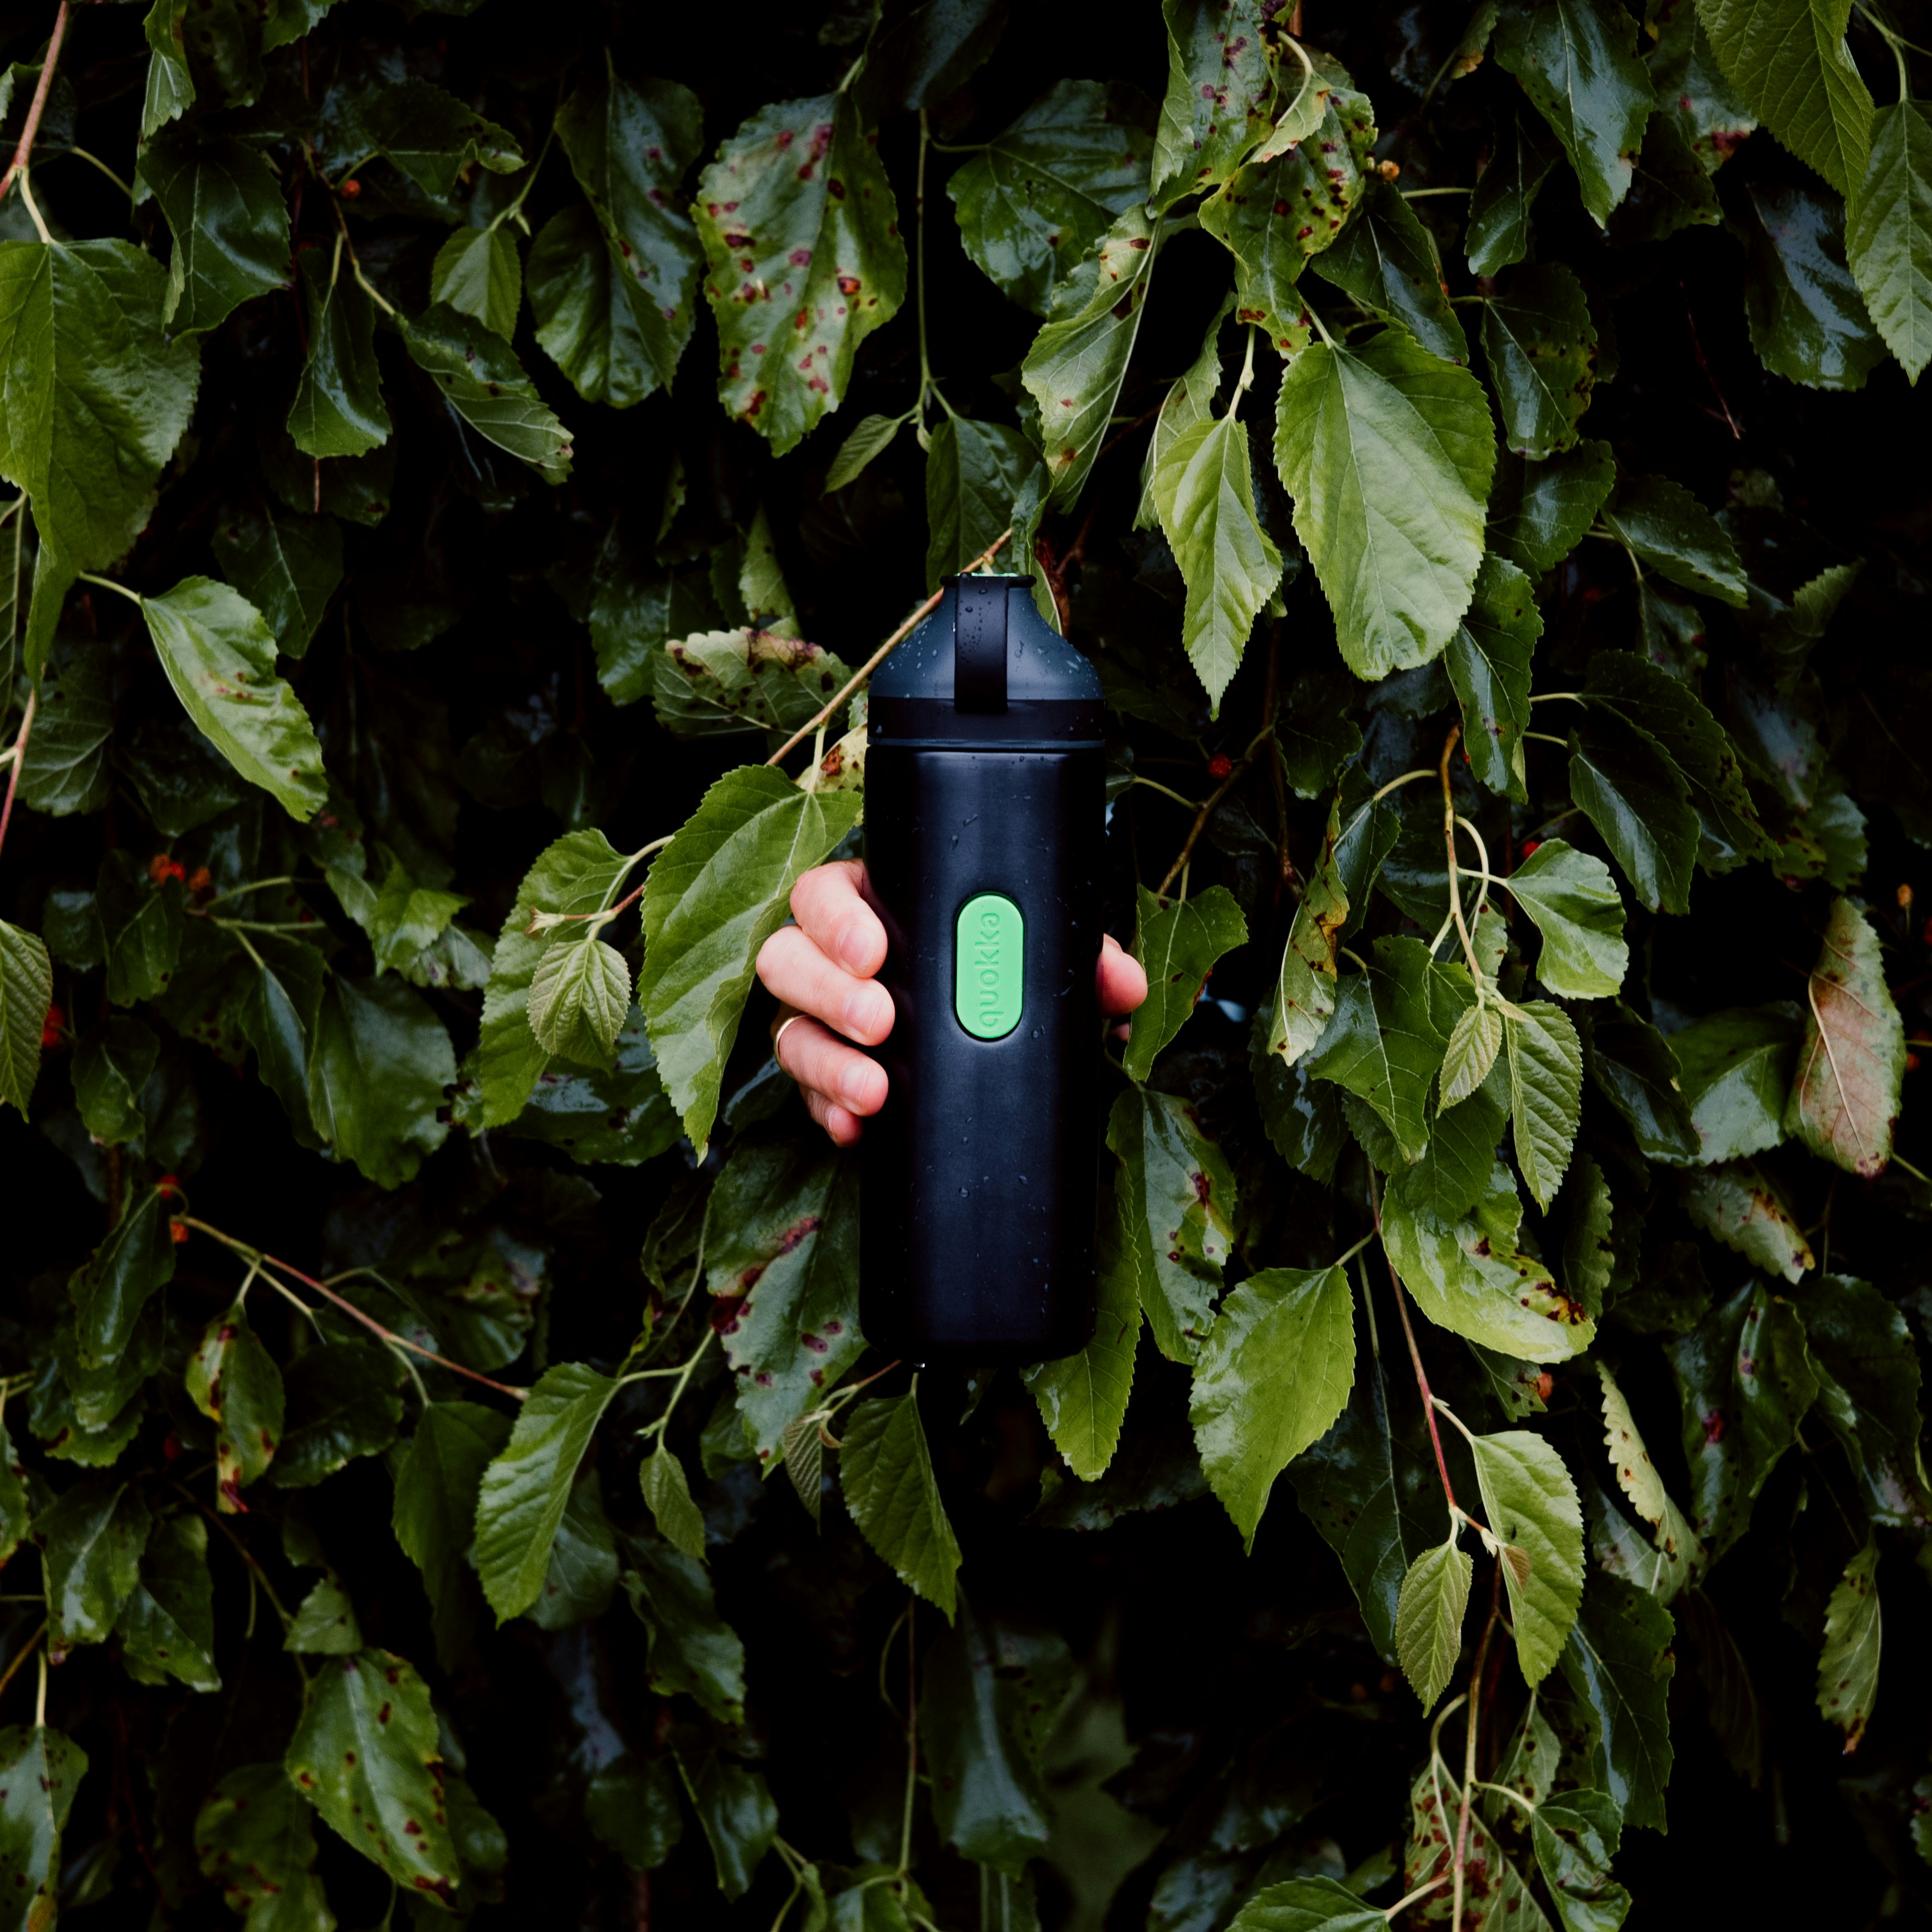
column 976, row 1235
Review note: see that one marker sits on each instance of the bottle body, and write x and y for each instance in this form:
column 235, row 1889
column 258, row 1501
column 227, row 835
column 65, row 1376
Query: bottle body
column 977, row 1231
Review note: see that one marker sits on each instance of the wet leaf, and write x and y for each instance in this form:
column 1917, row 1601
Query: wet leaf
column 1387, row 260
column 1506, row 190
column 255, row 1835
column 92, row 1541
column 1428, row 1619
column 1747, row 1210
column 974, row 472
column 1305, row 987
column 1670, row 530
column 1220, row 94
column 1861, row 1350
column 1541, row 347
column 1735, row 1070
column 341, row 1402
column 1680, row 1557
column 1384, row 1045
column 1808, row 322
column 1577, row 909
column 377, row 1076
column 112, row 1287
column 1788, row 60
column 324, row 1623
column 479, row 272
column 1618, row 1663
column 478, row 378
column 287, row 566
column 885, row 1472
column 1845, row 1093
column 434, row 1517
column 338, row 409
column 1488, row 662
column 691, row 1648
column 1888, row 233
column 234, row 1380
column 166, row 1626
column 1848, row 1670
column 40, row 1771
column 1532, row 1505
column 1539, row 512
column 1083, row 1397
column 1178, row 942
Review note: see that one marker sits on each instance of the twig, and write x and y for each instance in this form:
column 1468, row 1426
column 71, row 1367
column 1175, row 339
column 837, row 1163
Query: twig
column 1469, row 1740
column 1698, row 347
column 1415, row 1359
column 1210, row 806
column 1449, row 840
column 349, row 1308
column 26, row 1651
column 42, row 88
column 879, row 656
column 19, row 759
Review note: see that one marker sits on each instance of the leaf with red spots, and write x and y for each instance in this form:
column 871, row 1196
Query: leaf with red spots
column 1387, row 261
column 40, row 1770
column 1221, row 67
column 1848, row 1670
column 166, row 1626
column 479, row 379
column 1851, row 1068
column 799, row 175
column 255, row 1837
column 234, row 1381
column 431, row 136
column 366, row 1754
column 1619, row 1662
column 1746, row 1209
column 782, row 1263
column 92, row 1541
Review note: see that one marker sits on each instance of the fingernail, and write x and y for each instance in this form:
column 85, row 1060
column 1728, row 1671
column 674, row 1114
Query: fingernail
column 868, row 1009
column 856, row 1087
column 855, row 946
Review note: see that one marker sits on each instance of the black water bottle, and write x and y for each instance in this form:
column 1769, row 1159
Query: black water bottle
column 984, row 818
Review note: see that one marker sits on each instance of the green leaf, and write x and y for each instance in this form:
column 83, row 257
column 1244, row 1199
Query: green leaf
column 526, row 1488
column 1275, row 215
column 579, row 874
column 478, row 272
column 1074, row 369
column 377, row 1074
column 235, row 1382
column 40, row 1770
column 1746, row 1210
column 735, row 1807
column 1681, row 1557
column 1735, row 1073
column 782, row 1262
column 759, row 206
column 713, row 897
column 580, row 1572
column 1272, row 1377
column 1577, row 908
column 716, row 682
column 1670, row 190
column 1205, row 492
column 338, row 409
column 588, row 311
column 1488, row 664
column 1083, row 1397
column 1861, row 1350
column 1039, row 196
column 1532, row 1507
column 220, row 656
column 1807, row 320
column 255, row 1834
column 166, row 1626
column 886, row 1473
column 1575, row 1835
column 630, row 144
column 1744, row 1381
column 1219, row 101
column 579, row 996
column 96, row 400
column 287, row 566
column 1848, row 1670
column 1637, row 797
column 1306, row 990
column 1577, row 61
column 869, row 436
column 1306, row 1905
column 480, row 380
column 26, row 992
column 432, row 136
column 68, row 772
column 16, row 1509
column 1388, row 452
column 1470, row 1277
column 324, row 1623
column 112, row 1287
column 1189, row 400
column 1176, row 1196
column 92, row 1541
column 276, row 1014
column 690, row 1648
column 1539, row 512
column 1178, row 943
column 992, row 1689
column 1692, row 90
column 973, row 471
column 365, row 1754
column 1384, row 1045
column 341, row 1402
column 223, row 207
column 1546, row 1073
column 1474, row 1041
column 1541, row 347
column 1670, row 530
column 1428, row 1619
column 1618, row 1663
column 1506, row 190
column 1788, row 60
column 1370, row 1487
column 1889, row 232
column 437, row 1485
column 667, row 1493
column 623, row 1116
column 1387, row 260
column 1845, row 1093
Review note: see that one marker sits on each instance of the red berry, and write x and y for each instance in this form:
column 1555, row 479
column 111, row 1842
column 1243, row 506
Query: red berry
column 1912, row 1062
column 351, row 189
column 51, row 1028
column 167, row 1184
column 200, row 880
column 1529, row 845
column 1219, row 765
column 179, row 1230
column 171, row 1447
column 162, row 867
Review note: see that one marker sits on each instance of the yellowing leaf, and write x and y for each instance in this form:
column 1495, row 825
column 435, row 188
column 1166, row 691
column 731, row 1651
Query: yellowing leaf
column 1845, row 1096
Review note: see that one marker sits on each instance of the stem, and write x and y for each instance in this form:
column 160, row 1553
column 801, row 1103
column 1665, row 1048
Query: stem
column 257, row 1574
column 20, row 760
column 1551, row 696
column 363, row 283
column 33, row 208
column 349, row 1308
column 81, row 154
column 1208, row 808
column 912, row 1737
column 1396, row 784
column 1415, row 1361
column 879, row 656
column 1167, row 791
column 1449, row 840
column 515, row 208
column 1392, row 1912
column 1247, row 376
column 1417, row 194
column 26, row 1651
column 663, row 1422
column 1547, row 738
column 1320, row 329
column 108, row 583
column 1469, row 1737
column 252, row 886
column 41, row 1696
column 31, row 127
column 1342, row 1260
column 919, row 258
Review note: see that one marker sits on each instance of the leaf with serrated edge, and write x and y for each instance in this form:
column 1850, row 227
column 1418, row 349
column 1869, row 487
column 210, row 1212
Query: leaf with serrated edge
column 1532, row 1505
column 1178, row 943
column 1546, row 1072
column 580, row 995
column 40, row 1771
column 1473, row 1043
column 1273, row 1375
column 1428, row 1619
column 1848, row 1668
column 869, row 436
column 1845, row 1095
column 1670, row 530
column 1304, row 994
column 1488, row 662
column 1680, row 1555
column 1083, row 1397
column 255, row 1836
column 668, row 1492
column 26, row 991
column 1747, row 1210
column 1618, row 1662
column 1889, row 232
column 885, row 1472
column 1574, row 903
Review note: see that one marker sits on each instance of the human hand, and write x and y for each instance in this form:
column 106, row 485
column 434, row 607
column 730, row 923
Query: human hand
column 822, row 970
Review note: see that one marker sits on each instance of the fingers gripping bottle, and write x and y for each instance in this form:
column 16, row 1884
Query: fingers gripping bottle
column 984, row 821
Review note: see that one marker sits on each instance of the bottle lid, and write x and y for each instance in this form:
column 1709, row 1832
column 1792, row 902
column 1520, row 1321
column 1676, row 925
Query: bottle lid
column 985, row 670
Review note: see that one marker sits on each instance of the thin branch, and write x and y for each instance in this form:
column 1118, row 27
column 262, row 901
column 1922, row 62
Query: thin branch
column 879, row 656
column 42, row 88
column 349, row 1308
column 1415, row 1360
column 26, row 1651
column 1469, row 1738
column 19, row 759
column 1449, row 840
column 1210, row 806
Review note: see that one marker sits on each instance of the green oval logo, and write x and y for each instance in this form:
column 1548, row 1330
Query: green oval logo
column 989, row 966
